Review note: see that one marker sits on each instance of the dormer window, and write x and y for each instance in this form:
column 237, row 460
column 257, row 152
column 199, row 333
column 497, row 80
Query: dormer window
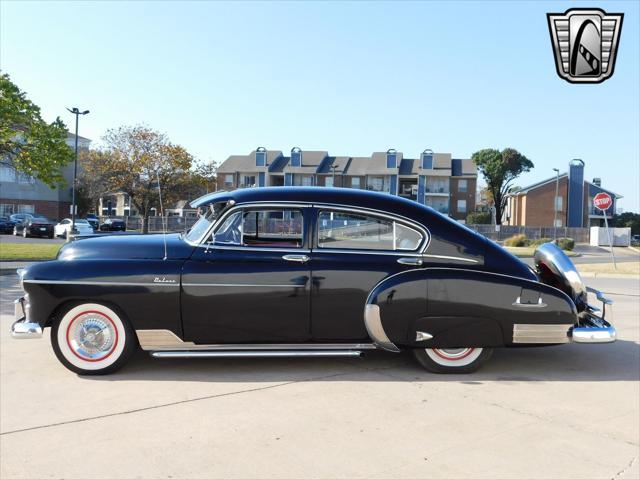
column 261, row 157
column 427, row 159
column 392, row 158
column 296, row 157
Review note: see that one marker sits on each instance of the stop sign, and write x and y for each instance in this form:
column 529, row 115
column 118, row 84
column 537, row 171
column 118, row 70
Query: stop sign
column 602, row 201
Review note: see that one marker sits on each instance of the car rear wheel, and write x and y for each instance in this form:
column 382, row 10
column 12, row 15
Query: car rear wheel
column 15, row 232
column 452, row 360
column 24, row 232
column 92, row 339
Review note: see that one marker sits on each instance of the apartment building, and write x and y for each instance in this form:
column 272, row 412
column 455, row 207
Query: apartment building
column 534, row 205
column 435, row 179
column 21, row 193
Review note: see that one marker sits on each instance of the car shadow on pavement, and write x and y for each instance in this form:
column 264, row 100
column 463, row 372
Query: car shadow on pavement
column 619, row 361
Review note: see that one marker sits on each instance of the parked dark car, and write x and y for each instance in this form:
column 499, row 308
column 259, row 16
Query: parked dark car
column 35, row 227
column 93, row 221
column 6, row 225
column 113, row 225
column 275, row 272
column 17, row 218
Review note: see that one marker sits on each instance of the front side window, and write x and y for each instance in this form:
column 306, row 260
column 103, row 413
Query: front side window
column 282, row 228
column 346, row 230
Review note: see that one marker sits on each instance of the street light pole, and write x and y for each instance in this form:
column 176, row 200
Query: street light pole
column 555, row 205
column 333, row 168
column 77, row 113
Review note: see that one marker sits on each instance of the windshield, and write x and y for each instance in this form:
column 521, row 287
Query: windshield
column 205, row 221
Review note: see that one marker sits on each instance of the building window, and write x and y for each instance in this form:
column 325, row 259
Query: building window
column 306, row 181
column 392, row 159
column 6, row 209
column 228, row 180
column 378, row 184
column 25, row 179
column 462, row 185
column 328, row 182
column 7, row 174
column 26, row 209
column 427, row 160
column 559, row 204
column 558, row 222
column 261, row 157
column 355, row 182
column 296, row 157
column 248, row 181
column 462, row 206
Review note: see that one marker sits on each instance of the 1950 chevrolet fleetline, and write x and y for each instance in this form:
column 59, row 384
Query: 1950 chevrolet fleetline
column 304, row 272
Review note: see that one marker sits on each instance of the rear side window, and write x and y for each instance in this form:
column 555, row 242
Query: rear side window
column 347, row 230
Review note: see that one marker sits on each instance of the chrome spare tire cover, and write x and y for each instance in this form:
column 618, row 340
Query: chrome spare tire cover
column 556, row 269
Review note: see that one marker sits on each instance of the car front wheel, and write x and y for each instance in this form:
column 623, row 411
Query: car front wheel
column 92, row 339
column 452, row 360
column 24, row 233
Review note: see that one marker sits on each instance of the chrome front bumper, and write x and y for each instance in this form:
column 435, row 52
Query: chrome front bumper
column 23, row 327
column 592, row 327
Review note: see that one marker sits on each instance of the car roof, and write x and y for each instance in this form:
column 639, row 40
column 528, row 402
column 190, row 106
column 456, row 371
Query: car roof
column 336, row 196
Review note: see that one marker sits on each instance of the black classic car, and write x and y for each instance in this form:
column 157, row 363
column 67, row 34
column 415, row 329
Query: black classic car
column 113, row 225
column 34, row 227
column 304, row 272
column 6, row 225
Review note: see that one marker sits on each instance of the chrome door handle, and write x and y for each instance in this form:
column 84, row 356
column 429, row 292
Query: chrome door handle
column 296, row 258
column 415, row 261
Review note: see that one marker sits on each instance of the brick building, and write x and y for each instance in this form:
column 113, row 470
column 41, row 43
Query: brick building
column 534, row 205
column 435, row 179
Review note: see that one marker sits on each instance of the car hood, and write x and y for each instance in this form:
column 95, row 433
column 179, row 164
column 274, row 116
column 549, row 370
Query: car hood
column 126, row 247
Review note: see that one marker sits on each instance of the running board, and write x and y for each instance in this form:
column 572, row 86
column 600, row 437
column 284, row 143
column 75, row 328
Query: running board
column 255, row 353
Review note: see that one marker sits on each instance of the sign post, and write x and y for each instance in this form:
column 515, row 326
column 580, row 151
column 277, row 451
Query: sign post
column 602, row 201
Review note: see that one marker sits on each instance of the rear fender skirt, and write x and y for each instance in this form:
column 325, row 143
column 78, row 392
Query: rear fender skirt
column 456, row 307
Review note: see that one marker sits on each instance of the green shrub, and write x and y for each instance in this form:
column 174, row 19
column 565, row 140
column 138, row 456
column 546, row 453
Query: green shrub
column 479, row 218
column 539, row 241
column 517, row 241
column 566, row 243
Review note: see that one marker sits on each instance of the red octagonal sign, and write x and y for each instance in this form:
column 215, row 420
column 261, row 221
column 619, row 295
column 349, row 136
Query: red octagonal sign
column 602, row 201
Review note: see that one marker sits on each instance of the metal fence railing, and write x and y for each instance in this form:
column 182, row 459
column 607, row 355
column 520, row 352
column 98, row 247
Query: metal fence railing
column 502, row 232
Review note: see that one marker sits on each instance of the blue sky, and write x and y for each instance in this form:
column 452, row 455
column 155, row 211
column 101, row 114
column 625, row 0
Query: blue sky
column 351, row 78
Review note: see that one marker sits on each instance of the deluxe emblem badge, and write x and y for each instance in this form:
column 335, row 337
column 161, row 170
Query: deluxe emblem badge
column 163, row 280
column 585, row 43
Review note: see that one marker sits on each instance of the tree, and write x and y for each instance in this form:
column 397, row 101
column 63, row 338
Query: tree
column 132, row 161
column 499, row 170
column 28, row 143
column 628, row 219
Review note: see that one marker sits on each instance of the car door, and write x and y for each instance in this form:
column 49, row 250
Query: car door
column 62, row 227
column 250, row 280
column 353, row 251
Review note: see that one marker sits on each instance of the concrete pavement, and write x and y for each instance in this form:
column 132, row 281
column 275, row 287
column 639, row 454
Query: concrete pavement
column 557, row 412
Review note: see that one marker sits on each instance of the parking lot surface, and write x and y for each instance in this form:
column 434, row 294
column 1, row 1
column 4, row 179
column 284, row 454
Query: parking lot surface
column 570, row 411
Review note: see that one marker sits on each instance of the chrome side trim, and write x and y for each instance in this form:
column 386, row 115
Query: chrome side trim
column 538, row 333
column 167, row 340
column 253, row 249
column 373, row 324
column 26, row 330
column 90, row 282
column 240, row 285
column 449, row 257
column 415, row 261
column 423, row 336
column 600, row 296
column 258, row 354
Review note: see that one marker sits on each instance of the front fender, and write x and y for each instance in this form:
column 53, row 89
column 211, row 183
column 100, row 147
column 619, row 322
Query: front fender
column 146, row 291
column 456, row 308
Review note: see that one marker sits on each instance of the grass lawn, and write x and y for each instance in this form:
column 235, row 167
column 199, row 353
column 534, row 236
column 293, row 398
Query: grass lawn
column 629, row 268
column 28, row 251
column 526, row 252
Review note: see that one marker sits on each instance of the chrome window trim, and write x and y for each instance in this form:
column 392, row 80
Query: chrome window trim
column 422, row 247
column 450, row 257
column 254, row 249
column 242, row 206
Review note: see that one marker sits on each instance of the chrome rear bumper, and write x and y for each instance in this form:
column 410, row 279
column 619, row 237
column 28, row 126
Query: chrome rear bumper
column 22, row 327
column 592, row 327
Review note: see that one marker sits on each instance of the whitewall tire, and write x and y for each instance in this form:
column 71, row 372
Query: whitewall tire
column 92, row 339
column 452, row 360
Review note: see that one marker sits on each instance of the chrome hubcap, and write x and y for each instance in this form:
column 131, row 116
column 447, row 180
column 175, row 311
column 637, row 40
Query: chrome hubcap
column 92, row 336
column 454, row 353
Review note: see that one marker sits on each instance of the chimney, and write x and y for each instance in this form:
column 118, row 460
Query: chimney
column 597, row 182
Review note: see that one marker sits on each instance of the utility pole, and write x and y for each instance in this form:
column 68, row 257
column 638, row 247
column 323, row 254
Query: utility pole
column 555, row 205
column 77, row 113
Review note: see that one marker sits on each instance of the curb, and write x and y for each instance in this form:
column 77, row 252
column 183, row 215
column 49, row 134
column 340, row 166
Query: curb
column 627, row 276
